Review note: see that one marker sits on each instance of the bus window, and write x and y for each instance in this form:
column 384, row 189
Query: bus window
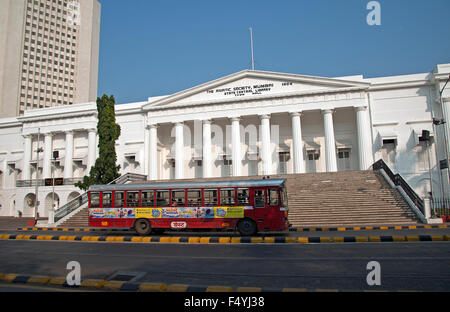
column 260, row 198
column 162, row 198
column 227, row 197
column 132, row 199
column 118, row 199
column 107, row 199
column 147, row 198
column 210, row 197
column 273, row 197
column 243, row 196
column 178, row 198
column 95, row 200
column 194, row 198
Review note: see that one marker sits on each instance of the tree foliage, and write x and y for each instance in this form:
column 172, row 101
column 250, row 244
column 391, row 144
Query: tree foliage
column 105, row 169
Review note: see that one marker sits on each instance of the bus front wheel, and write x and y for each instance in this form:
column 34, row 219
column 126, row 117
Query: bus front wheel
column 247, row 227
column 142, row 227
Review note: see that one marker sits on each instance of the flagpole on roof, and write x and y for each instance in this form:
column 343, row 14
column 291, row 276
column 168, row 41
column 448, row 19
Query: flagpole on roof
column 251, row 42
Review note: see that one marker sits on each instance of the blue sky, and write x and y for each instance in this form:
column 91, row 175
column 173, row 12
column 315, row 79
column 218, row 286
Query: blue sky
column 152, row 48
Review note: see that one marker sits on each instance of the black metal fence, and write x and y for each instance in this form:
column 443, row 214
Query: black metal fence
column 440, row 207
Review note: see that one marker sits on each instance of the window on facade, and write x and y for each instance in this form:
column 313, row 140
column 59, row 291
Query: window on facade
column 210, row 197
column 227, row 197
column 107, row 199
column 147, row 199
column 388, row 152
column 243, row 196
column 194, row 198
column 422, row 154
column 178, row 198
column 119, row 199
column 283, row 158
column 162, row 198
column 260, row 198
column 132, row 199
column 273, row 197
column 344, row 159
column 95, row 200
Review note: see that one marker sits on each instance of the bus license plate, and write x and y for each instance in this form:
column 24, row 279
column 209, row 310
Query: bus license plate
column 178, row 225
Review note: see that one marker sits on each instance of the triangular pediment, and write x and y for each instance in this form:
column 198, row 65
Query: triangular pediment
column 247, row 85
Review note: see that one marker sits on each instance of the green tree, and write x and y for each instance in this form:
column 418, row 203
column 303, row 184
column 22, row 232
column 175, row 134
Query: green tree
column 105, row 169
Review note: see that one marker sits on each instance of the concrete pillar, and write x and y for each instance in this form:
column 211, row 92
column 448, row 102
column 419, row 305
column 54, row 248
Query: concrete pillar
column 179, row 151
column 92, row 149
column 236, row 147
column 153, row 153
column 207, row 157
column 265, row 145
column 364, row 138
column 330, row 141
column 47, row 166
column 68, row 162
column 297, row 142
column 26, row 171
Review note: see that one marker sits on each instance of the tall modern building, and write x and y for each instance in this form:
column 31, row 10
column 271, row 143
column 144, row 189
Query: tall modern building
column 49, row 53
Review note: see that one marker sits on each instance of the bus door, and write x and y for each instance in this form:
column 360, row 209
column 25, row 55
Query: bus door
column 260, row 205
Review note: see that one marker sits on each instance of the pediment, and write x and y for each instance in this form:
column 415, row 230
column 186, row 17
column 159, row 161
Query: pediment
column 247, row 85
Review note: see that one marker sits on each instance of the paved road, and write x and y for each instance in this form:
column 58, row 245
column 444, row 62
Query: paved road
column 403, row 232
column 404, row 266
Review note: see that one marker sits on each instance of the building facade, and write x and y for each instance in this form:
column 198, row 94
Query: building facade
column 246, row 124
column 49, row 52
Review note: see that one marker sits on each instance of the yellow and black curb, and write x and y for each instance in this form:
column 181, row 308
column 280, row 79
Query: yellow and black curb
column 232, row 240
column 368, row 228
column 294, row 229
column 104, row 285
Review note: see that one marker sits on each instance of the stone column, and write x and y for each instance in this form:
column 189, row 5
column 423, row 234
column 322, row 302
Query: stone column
column 297, row 142
column 47, row 166
column 236, row 147
column 364, row 138
column 92, row 149
column 330, row 142
column 265, row 145
column 68, row 162
column 179, row 151
column 207, row 157
column 26, row 171
column 153, row 153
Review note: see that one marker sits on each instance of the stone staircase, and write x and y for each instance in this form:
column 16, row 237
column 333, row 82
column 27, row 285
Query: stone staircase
column 11, row 223
column 351, row 198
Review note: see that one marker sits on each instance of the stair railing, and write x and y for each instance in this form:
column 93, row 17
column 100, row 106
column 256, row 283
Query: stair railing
column 83, row 198
column 398, row 180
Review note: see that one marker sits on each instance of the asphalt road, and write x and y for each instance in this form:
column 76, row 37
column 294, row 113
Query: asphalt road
column 404, row 266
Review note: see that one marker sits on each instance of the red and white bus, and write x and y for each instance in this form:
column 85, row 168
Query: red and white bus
column 246, row 206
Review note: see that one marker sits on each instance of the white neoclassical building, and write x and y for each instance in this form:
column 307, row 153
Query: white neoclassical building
column 245, row 124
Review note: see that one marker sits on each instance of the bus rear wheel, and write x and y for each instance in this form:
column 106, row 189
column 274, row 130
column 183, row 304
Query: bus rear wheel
column 142, row 227
column 247, row 227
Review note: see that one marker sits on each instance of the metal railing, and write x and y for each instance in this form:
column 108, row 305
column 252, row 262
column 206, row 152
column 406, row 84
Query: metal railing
column 83, row 199
column 398, row 180
column 440, row 207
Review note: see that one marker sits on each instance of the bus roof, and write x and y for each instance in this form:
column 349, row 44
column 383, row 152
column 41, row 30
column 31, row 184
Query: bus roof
column 182, row 185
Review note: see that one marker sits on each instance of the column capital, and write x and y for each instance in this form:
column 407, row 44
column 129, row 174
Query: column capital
column 206, row 121
column 235, row 119
column 264, row 116
column 69, row 132
column 152, row 126
column 327, row 111
column 360, row 108
column 295, row 114
column 91, row 130
column 27, row 136
column 179, row 123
